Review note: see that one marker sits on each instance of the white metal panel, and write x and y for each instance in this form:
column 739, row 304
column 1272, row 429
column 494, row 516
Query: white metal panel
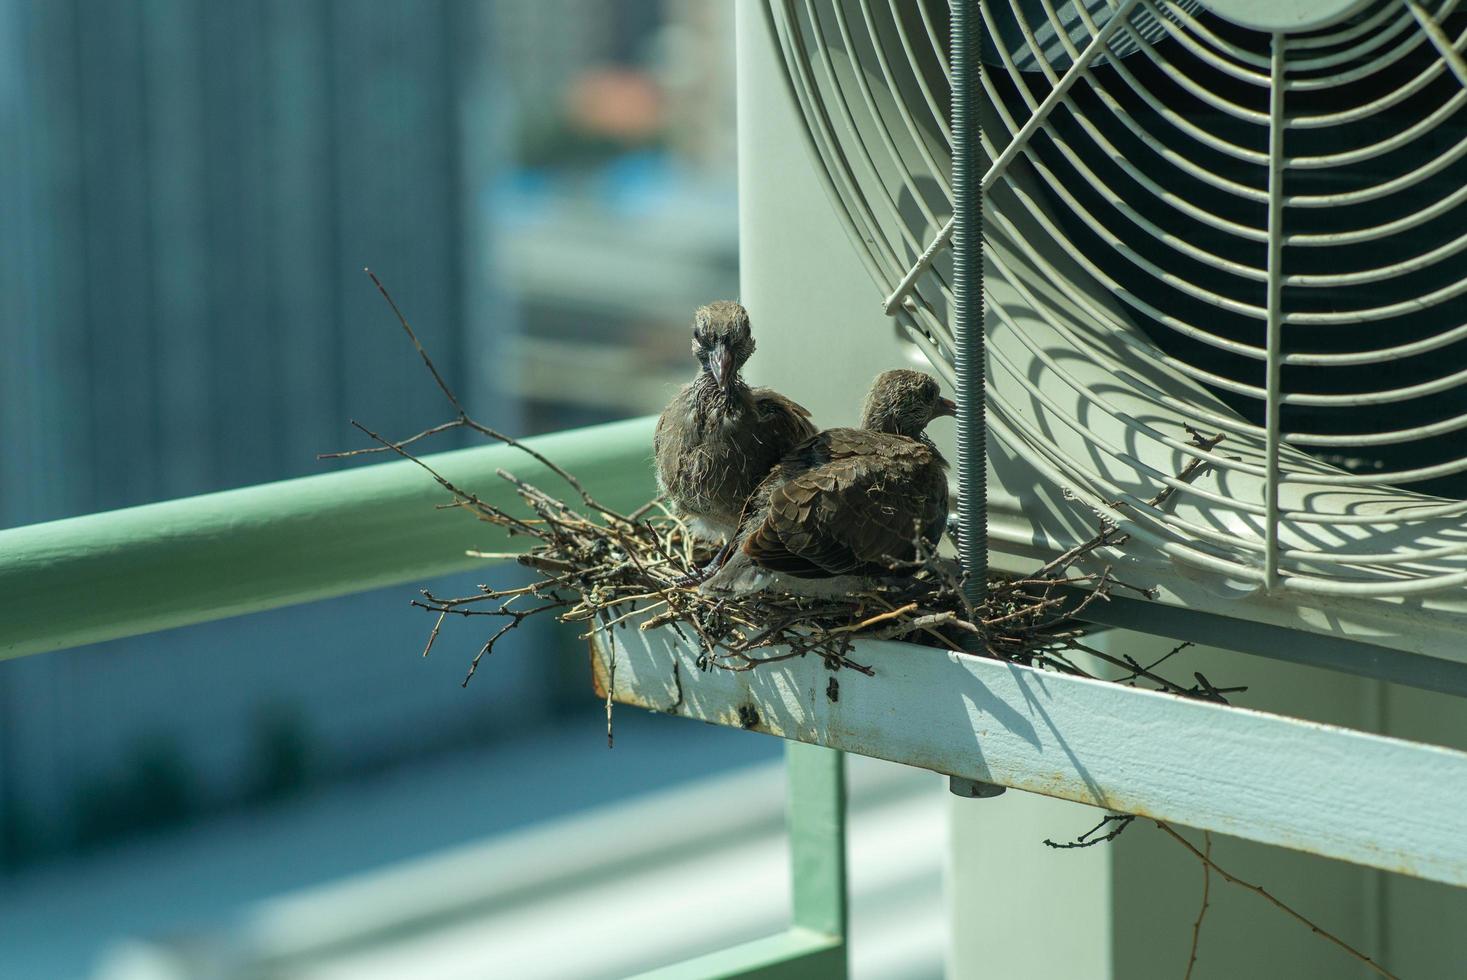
column 1074, row 386
column 1364, row 798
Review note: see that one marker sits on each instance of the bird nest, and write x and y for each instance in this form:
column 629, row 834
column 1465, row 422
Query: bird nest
column 601, row 569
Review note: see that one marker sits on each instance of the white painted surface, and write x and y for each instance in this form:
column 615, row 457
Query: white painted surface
column 1363, row 798
column 1135, row 921
column 1020, row 910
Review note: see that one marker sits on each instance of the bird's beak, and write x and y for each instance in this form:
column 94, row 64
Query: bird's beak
column 946, row 406
column 721, row 365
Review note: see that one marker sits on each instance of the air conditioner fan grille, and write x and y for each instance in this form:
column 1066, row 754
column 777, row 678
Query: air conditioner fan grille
column 1188, row 223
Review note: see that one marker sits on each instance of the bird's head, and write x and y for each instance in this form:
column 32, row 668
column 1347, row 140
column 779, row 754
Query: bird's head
column 902, row 402
column 722, row 341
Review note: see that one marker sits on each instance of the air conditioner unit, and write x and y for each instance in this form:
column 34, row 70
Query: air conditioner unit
column 1248, row 219
column 1183, row 207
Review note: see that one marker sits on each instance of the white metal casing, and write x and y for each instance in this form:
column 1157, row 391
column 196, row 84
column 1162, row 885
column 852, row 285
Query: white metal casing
column 1088, row 407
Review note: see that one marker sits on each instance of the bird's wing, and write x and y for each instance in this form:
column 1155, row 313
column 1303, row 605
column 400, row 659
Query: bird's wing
column 669, row 439
column 784, row 421
column 848, row 502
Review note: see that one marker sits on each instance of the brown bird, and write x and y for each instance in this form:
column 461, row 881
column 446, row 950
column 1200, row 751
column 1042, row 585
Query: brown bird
column 719, row 438
column 845, row 505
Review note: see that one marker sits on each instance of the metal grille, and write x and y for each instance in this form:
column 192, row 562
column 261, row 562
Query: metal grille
column 1188, row 223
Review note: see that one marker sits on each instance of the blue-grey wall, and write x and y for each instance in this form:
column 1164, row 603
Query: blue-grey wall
column 188, row 193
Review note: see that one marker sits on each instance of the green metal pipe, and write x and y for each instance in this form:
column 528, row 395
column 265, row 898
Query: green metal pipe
column 142, row 569
column 817, row 826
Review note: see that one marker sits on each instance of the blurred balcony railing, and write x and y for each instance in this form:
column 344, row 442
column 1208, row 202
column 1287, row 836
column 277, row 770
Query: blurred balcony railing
column 143, row 569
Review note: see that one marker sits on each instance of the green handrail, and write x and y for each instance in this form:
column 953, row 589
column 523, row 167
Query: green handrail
column 814, row 946
column 142, row 569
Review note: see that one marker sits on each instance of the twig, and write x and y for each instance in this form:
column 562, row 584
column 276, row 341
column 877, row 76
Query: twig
column 606, row 627
column 368, row 450
column 1166, row 685
column 437, row 625
column 1155, row 663
column 872, row 621
column 1263, row 893
column 1193, row 468
column 1121, row 821
column 1206, row 882
column 464, row 420
column 610, row 687
column 442, row 385
column 486, row 649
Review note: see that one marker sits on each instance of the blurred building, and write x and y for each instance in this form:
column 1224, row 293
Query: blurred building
column 188, row 194
column 192, row 190
column 620, row 216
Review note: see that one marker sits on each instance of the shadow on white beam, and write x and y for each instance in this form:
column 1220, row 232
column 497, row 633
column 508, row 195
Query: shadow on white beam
column 1371, row 800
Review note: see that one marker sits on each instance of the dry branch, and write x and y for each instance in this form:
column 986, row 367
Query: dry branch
column 596, row 566
column 1261, row 892
column 1201, row 912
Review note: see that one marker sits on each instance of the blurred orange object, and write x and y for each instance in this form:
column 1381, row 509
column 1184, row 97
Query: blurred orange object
column 619, row 103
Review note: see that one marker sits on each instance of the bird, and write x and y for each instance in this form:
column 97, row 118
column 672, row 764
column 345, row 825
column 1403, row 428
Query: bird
column 847, row 504
column 718, row 438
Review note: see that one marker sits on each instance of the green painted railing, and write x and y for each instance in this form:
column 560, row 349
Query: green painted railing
column 149, row 568
column 814, row 946
column 143, row 569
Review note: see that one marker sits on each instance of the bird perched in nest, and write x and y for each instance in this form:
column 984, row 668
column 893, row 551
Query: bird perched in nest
column 718, row 437
column 846, row 504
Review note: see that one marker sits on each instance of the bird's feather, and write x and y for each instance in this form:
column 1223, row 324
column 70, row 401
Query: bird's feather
column 848, row 501
column 712, row 449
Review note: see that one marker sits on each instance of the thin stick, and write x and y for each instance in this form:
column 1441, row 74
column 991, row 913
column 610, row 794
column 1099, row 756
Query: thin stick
column 463, row 496
column 434, row 635
column 610, row 687
column 486, row 648
column 1159, row 661
column 443, row 385
column 878, row 618
column 1206, row 882
column 1262, row 893
column 430, row 431
column 1118, row 823
column 463, row 416
column 603, row 627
